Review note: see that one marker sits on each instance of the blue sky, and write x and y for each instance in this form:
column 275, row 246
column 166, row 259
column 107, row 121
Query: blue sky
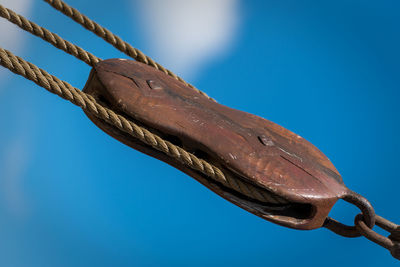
column 72, row 196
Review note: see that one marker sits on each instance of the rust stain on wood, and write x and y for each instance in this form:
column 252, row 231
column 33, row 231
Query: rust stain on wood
column 243, row 145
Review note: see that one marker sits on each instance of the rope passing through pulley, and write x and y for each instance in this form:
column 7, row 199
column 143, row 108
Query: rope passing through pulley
column 251, row 162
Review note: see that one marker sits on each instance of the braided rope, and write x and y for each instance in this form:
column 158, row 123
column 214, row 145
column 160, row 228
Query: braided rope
column 89, row 104
column 113, row 39
column 48, row 36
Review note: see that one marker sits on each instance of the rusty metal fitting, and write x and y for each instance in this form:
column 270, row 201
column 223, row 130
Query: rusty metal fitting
column 392, row 242
column 368, row 214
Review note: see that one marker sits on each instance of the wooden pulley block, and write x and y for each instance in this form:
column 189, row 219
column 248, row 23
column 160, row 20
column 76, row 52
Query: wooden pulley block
column 278, row 175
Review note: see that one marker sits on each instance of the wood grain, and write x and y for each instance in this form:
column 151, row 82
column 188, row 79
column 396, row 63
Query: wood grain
column 246, row 146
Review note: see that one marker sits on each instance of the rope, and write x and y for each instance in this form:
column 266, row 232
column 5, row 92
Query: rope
column 89, row 104
column 113, row 39
column 48, row 36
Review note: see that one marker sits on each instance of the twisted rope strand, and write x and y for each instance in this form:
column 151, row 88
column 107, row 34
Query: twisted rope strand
column 113, row 39
column 89, row 104
column 48, row 36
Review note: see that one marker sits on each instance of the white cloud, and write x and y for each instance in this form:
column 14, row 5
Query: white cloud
column 12, row 36
column 15, row 149
column 12, row 33
column 185, row 34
